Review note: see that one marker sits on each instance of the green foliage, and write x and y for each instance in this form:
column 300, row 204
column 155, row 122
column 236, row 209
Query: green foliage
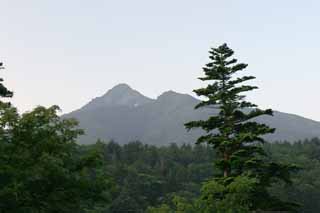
column 234, row 135
column 178, row 205
column 306, row 185
column 161, row 209
column 235, row 197
column 41, row 167
column 151, row 178
column 148, row 176
column 4, row 92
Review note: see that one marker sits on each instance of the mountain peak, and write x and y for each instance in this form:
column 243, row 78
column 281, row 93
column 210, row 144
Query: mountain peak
column 174, row 97
column 120, row 95
column 121, row 90
column 172, row 94
column 121, row 87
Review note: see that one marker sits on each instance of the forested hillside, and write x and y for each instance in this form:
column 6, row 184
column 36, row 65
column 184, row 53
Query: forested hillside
column 147, row 175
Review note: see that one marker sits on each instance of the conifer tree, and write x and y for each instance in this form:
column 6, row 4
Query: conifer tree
column 233, row 133
column 4, row 92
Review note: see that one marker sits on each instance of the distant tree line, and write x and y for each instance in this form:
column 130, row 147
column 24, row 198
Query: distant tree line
column 169, row 178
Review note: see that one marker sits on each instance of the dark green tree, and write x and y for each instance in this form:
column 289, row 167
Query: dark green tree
column 4, row 92
column 43, row 170
column 233, row 133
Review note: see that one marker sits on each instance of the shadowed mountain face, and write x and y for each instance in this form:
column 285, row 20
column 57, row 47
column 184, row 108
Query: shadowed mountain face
column 125, row 115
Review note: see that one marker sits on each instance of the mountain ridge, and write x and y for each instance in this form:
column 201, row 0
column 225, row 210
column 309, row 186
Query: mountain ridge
column 124, row 114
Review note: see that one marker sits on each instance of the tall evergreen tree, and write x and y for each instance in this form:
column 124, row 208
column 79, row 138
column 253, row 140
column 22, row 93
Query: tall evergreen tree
column 233, row 133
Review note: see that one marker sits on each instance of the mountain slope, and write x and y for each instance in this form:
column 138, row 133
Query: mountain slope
column 124, row 115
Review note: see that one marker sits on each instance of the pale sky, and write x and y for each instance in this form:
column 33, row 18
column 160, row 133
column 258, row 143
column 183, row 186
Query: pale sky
column 67, row 52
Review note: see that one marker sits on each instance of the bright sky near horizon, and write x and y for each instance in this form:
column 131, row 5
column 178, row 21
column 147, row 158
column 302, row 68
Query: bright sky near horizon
column 68, row 52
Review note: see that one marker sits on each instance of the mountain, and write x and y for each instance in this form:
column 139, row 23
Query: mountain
column 120, row 95
column 123, row 114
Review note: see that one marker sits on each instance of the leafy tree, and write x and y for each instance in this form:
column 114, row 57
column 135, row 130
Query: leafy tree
column 234, row 135
column 164, row 208
column 178, row 205
column 236, row 196
column 43, row 170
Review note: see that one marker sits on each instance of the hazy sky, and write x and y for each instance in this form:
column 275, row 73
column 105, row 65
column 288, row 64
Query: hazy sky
column 67, row 52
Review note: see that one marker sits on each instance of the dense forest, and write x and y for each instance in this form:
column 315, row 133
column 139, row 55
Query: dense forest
column 229, row 169
column 146, row 175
